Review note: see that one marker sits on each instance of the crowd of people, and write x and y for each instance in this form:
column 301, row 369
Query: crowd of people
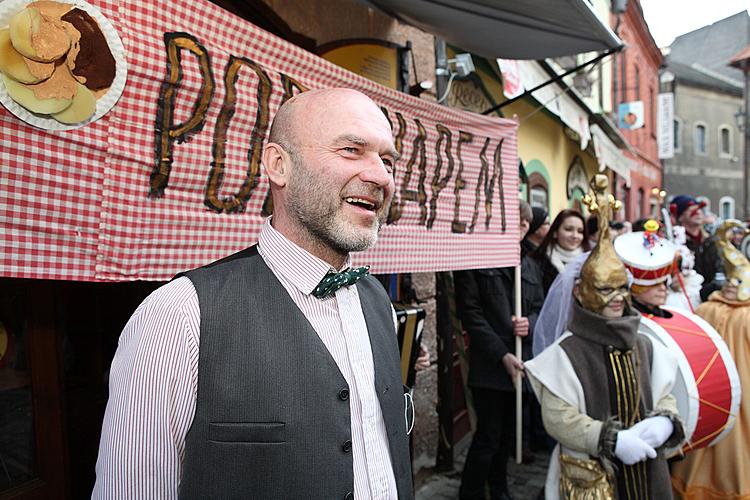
column 268, row 374
column 604, row 402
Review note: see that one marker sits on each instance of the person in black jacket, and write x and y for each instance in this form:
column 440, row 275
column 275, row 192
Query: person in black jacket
column 688, row 212
column 485, row 305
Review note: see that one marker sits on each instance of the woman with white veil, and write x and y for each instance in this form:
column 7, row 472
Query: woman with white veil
column 553, row 318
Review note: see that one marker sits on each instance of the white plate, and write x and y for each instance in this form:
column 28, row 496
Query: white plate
column 9, row 8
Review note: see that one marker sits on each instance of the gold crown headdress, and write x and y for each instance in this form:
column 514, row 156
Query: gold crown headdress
column 736, row 265
column 603, row 274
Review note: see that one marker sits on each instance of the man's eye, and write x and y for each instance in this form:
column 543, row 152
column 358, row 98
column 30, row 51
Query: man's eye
column 605, row 291
column 349, row 149
column 387, row 162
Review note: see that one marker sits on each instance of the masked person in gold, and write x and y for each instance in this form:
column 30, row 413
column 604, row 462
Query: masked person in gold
column 723, row 470
column 604, row 389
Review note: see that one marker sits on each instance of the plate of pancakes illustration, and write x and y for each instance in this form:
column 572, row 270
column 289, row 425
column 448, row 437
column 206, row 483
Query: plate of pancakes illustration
column 62, row 64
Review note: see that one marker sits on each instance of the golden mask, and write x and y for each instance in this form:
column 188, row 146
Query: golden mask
column 603, row 275
column 736, row 265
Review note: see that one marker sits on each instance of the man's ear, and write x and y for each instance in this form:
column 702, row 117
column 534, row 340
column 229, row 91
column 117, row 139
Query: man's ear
column 276, row 163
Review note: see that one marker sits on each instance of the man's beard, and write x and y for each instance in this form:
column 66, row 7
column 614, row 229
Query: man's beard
column 320, row 215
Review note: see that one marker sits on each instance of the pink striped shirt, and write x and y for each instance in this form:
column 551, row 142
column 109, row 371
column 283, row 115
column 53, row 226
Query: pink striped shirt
column 154, row 381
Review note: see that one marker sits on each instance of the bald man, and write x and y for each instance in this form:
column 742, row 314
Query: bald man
column 266, row 375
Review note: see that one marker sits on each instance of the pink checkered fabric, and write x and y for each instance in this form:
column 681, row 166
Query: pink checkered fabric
column 75, row 204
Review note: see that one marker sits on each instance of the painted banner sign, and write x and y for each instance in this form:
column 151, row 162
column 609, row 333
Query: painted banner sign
column 171, row 179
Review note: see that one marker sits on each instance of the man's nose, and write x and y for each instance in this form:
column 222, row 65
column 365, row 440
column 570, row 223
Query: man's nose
column 376, row 172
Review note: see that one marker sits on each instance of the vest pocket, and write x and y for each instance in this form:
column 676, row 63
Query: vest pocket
column 247, row 432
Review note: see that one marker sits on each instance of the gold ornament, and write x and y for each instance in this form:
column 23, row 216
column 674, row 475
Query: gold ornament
column 584, row 479
column 736, row 265
column 603, row 275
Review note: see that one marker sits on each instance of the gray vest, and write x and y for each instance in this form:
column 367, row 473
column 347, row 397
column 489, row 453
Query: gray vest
column 272, row 417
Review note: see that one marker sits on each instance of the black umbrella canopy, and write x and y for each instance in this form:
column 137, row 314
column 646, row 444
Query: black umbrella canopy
column 509, row 29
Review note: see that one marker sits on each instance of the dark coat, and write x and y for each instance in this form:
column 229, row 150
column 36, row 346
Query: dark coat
column 707, row 262
column 484, row 300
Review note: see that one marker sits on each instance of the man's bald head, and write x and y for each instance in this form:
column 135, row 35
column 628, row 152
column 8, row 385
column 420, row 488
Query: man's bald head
column 304, row 108
column 329, row 160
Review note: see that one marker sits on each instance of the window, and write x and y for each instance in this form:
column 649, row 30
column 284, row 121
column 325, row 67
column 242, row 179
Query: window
column 538, row 191
column 699, row 138
column 623, row 79
column 726, row 207
column 538, row 197
column 637, row 84
column 677, row 139
column 725, row 141
column 652, row 112
column 638, row 205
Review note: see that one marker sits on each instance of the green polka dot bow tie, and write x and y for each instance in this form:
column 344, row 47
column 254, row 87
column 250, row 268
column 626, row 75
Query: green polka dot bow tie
column 333, row 280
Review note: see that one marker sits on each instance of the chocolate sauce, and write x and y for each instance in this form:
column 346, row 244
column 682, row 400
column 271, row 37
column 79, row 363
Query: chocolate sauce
column 94, row 61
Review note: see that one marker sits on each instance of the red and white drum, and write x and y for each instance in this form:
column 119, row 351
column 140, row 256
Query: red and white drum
column 708, row 386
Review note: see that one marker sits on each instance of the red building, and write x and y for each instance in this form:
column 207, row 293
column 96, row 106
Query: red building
column 636, row 78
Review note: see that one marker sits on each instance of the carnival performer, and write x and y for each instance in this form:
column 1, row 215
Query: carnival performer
column 650, row 259
column 604, row 389
column 723, row 470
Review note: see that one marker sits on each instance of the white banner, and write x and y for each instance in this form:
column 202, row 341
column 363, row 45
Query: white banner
column 665, row 125
column 512, row 81
column 609, row 155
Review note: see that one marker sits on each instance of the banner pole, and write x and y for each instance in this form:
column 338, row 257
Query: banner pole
column 519, row 355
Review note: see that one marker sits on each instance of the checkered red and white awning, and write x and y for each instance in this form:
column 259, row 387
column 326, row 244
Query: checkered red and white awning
column 75, row 205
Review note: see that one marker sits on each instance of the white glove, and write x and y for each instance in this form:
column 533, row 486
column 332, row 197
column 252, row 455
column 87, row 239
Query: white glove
column 631, row 449
column 654, row 430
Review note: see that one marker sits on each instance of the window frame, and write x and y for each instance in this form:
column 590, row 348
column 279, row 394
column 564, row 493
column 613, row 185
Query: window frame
column 732, row 204
column 730, row 153
column 677, row 140
column 696, row 151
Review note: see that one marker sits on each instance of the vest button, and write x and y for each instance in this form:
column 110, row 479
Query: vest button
column 349, row 496
column 344, row 394
column 347, row 446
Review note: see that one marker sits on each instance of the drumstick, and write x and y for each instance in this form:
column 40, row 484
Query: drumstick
column 519, row 412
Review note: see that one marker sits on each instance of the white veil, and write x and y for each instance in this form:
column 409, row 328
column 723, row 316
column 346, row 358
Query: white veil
column 553, row 318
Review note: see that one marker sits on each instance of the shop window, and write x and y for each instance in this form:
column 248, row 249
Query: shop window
column 699, row 139
column 538, row 191
column 725, row 141
column 539, row 197
column 625, row 202
column 726, row 207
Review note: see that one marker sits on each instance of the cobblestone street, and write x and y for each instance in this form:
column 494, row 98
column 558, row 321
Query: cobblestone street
column 525, row 481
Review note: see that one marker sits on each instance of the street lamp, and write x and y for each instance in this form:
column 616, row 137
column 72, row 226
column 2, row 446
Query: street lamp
column 739, row 118
column 741, row 60
column 659, row 194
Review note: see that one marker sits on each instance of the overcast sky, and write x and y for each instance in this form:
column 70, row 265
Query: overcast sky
column 667, row 19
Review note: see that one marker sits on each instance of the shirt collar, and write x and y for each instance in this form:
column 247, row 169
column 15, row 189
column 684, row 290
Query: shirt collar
column 285, row 258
